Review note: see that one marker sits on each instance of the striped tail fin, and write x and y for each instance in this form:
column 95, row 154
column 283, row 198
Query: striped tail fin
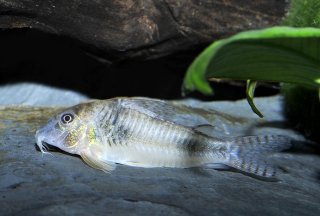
column 249, row 153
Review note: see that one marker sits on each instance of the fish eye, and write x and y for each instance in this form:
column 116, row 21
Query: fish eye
column 67, row 118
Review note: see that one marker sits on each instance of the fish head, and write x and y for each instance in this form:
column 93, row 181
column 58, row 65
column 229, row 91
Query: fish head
column 67, row 130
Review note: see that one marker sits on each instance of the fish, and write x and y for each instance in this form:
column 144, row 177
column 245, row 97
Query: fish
column 150, row 133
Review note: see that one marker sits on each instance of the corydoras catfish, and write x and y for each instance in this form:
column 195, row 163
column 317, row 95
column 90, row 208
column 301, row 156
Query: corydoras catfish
column 146, row 132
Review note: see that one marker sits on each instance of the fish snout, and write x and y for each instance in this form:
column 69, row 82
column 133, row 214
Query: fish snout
column 46, row 135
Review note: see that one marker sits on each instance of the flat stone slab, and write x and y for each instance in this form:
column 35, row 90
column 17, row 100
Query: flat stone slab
column 62, row 184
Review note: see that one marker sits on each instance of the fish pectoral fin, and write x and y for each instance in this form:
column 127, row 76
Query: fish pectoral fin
column 105, row 166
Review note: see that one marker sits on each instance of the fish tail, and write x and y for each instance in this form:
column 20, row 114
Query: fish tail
column 249, row 153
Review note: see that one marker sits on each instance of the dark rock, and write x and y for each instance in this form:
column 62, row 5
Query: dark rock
column 144, row 28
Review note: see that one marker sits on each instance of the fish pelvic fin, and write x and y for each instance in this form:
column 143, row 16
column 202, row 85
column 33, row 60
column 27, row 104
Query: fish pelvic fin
column 249, row 153
column 94, row 162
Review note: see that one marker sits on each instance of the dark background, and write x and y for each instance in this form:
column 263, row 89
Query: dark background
column 29, row 55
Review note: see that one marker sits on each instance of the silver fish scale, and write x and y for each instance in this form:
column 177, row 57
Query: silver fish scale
column 114, row 128
column 142, row 133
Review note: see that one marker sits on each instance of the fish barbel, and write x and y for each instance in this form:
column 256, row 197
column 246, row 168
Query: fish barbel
column 146, row 132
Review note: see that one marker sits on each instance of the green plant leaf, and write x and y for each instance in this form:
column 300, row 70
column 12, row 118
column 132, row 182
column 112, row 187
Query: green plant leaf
column 277, row 54
column 251, row 86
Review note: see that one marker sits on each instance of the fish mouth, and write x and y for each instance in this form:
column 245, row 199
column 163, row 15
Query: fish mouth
column 42, row 142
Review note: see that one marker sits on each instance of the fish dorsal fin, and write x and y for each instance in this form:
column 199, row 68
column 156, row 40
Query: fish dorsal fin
column 165, row 111
column 105, row 166
column 204, row 128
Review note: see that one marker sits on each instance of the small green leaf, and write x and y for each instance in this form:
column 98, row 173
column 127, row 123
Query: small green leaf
column 278, row 54
column 199, row 81
column 251, row 86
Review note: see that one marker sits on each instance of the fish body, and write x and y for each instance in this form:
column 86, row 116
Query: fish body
column 152, row 133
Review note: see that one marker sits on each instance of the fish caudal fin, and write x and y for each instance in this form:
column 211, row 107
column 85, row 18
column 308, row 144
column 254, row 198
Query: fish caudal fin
column 249, row 153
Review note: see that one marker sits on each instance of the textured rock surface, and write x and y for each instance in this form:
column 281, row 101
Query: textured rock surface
column 144, row 28
column 60, row 184
column 39, row 95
